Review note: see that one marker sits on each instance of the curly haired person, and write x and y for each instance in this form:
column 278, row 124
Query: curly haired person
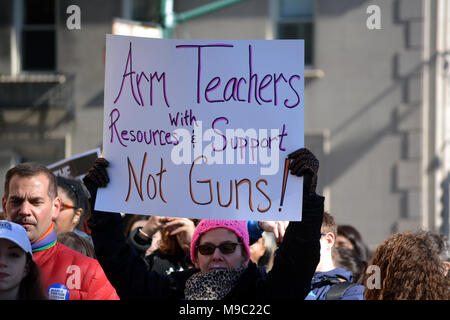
column 410, row 269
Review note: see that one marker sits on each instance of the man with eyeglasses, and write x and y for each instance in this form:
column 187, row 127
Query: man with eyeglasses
column 31, row 200
column 219, row 251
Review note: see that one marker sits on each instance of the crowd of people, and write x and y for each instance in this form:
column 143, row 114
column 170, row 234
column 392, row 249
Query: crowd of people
column 54, row 245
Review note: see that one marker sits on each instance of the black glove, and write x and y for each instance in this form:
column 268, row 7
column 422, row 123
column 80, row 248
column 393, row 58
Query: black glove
column 304, row 163
column 97, row 177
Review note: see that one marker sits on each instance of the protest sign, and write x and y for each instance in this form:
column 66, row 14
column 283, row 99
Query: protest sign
column 202, row 129
column 77, row 166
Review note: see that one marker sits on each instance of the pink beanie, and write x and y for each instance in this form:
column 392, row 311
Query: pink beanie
column 238, row 227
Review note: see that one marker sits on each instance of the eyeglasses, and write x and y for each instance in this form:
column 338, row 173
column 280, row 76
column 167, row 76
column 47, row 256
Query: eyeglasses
column 225, row 247
column 66, row 206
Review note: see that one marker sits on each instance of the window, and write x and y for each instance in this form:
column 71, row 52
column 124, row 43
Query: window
column 294, row 20
column 141, row 10
column 37, row 30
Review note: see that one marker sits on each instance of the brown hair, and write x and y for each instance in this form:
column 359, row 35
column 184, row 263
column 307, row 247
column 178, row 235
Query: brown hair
column 31, row 286
column 31, row 169
column 349, row 260
column 77, row 243
column 410, row 269
column 328, row 224
column 352, row 234
column 169, row 245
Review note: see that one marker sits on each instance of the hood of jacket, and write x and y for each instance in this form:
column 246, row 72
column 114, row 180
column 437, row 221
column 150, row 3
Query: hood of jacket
column 338, row 272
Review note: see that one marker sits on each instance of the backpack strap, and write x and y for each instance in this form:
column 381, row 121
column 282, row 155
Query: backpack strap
column 328, row 281
column 338, row 290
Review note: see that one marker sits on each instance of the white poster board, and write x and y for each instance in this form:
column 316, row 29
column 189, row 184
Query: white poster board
column 201, row 129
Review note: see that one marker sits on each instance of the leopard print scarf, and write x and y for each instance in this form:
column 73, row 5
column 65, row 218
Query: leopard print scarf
column 214, row 285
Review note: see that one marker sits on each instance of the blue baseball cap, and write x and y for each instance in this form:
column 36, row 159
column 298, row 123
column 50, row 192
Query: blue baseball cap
column 16, row 233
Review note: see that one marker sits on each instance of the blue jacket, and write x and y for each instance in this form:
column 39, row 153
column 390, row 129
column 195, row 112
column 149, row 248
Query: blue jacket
column 319, row 291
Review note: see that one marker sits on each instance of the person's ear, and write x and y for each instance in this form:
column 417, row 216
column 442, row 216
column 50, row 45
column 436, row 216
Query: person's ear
column 195, row 262
column 56, row 207
column 330, row 239
column 77, row 216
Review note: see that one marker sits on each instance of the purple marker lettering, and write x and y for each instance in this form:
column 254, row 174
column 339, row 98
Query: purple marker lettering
column 251, row 77
column 242, row 146
column 232, row 82
column 167, row 137
column 238, row 87
column 113, row 125
column 129, row 74
column 275, row 80
column 219, row 133
column 124, row 135
column 154, row 139
column 161, row 143
column 163, row 77
column 148, row 139
column 282, row 135
column 138, row 82
column 199, row 60
column 263, row 85
column 295, row 76
column 212, row 85
column 253, row 146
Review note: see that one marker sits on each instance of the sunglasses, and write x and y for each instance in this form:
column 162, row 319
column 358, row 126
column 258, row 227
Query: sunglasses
column 66, row 206
column 225, row 247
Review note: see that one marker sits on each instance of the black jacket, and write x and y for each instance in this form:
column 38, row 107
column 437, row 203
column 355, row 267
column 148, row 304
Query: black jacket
column 290, row 277
column 167, row 263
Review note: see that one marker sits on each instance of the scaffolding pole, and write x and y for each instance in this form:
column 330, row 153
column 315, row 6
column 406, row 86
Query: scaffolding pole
column 170, row 19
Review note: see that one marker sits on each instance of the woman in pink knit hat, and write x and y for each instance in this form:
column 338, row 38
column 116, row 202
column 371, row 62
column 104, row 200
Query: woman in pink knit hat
column 219, row 251
column 230, row 237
